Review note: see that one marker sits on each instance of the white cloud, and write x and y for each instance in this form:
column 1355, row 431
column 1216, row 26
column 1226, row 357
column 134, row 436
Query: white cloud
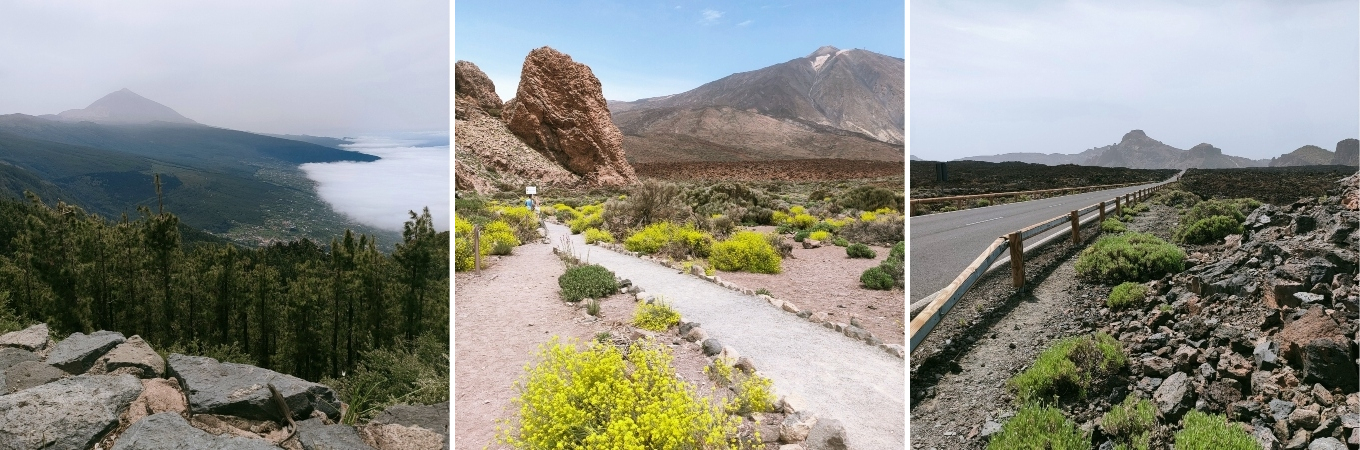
column 711, row 16
column 748, row 22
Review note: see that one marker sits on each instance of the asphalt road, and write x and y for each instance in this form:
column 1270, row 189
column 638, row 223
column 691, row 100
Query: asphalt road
column 942, row 245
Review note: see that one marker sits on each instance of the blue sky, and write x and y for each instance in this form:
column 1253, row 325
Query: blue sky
column 641, row 49
column 1254, row 78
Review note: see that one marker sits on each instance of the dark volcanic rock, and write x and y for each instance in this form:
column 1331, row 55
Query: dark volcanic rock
column 560, row 111
column 10, row 356
column 1174, row 396
column 79, row 352
column 28, row 374
column 240, row 390
column 431, row 417
column 1329, row 362
column 169, row 431
column 313, row 434
column 73, row 413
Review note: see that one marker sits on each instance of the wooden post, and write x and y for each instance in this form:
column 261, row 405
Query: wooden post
column 1102, row 212
column 1017, row 259
column 477, row 248
column 1116, row 206
column 1076, row 227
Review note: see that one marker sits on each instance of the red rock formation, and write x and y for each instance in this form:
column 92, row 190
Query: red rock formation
column 560, row 111
column 473, row 91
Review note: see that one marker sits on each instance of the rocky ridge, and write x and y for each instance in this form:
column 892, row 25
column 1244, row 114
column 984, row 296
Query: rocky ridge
column 487, row 156
column 103, row 390
column 559, row 109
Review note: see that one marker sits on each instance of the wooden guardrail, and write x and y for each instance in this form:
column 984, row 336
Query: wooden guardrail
column 959, row 200
column 925, row 321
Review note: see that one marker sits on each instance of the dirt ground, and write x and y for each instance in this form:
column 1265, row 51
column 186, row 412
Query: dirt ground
column 504, row 314
column 825, row 279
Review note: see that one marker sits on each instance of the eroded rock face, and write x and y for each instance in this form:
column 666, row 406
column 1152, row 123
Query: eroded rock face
column 430, row 417
column 1347, row 152
column 78, row 352
column 473, row 91
column 560, row 110
column 74, row 412
column 135, row 353
column 242, row 391
column 33, row 338
column 313, row 434
column 170, row 431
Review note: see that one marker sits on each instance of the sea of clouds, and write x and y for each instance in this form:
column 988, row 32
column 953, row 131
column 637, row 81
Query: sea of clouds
column 412, row 174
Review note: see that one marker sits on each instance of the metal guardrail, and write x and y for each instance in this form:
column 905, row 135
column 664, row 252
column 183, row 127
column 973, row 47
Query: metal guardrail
column 958, row 199
column 925, row 321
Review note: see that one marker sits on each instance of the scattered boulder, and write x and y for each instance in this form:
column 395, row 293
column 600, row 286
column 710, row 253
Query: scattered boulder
column 241, row 390
column 560, row 111
column 169, row 431
column 158, row 395
column 1174, row 396
column 314, row 434
column 70, row 413
column 9, row 356
column 28, row 374
column 391, row 436
column 1281, row 409
column 1314, row 324
column 796, row 427
column 712, row 347
column 135, row 353
column 33, row 338
column 1327, row 443
column 1305, row 419
column 1330, row 363
column 827, row 434
column 79, row 351
column 696, row 334
column 430, row 417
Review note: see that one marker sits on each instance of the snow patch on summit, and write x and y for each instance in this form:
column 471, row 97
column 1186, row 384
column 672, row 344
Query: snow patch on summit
column 817, row 63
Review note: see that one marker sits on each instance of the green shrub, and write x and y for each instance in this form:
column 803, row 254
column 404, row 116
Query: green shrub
column 1130, row 424
column 594, row 235
column 1113, row 225
column 763, row 291
column 860, row 251
column 498, row 238
column 591, row 216
column 870, row 198
column 884, row 230
column 780, row 245
column 830, row 225
column 1212, row 431
column 587, row 281
column 1176, row 198
column 1126, row 294
column 1069, row 368
column 565, row 213
column 801, row 236
column 647, row 203
column 840, row 242
column 819, row 236
column 898, row 251
column 603, row 397
column 758, row 216
column 1237, row 209
column 875, row 278
column 982, row 202
column 655, row 316
column 1039, row 427
column 671, row 239
column 1210, row 230
column 1129, row 257
column 523, row 221
column 746, row 251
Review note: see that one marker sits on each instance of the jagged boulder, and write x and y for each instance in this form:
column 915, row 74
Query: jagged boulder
column 28, row 374
column 33, row 338
column 391, row 436
column 158, row 395
column 71, row 413
column 170, row 431
column 560, row 110
column 473, row 91
column 1347, row 152
column 314, row 434
column 430, row 417
column 79, row 351
column 242, row 391
column 135, row 353
column 10, row 356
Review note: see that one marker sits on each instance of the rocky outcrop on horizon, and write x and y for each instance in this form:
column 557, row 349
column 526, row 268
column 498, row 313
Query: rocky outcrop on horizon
column 1136, row 151
column 1308, row 155
column 487, row 156
column 559, row 109
column 832, row 103
column 102, row 390
column 1347, row 153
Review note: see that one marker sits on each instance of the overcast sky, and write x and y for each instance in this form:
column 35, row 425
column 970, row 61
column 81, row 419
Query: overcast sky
column 1254, row 78
column 334, row 68
column 642, row 49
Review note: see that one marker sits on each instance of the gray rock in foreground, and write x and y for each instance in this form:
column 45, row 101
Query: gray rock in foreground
column 10, row 356
column 169, row 431
column 315, row 435
column 430, row 417
column 135, row 352
column 242, row 391
column 28, row 374
column 72, row 413
column 79, row 351
column 33, row 338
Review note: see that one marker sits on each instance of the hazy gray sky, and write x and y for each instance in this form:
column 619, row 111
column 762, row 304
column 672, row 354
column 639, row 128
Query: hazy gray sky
column 335, row 67
column 1254, row 78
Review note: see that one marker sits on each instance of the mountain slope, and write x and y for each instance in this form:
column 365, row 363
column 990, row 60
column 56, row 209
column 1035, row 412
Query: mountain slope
column 125, row 107
column 1136, row 151
column 830, row 104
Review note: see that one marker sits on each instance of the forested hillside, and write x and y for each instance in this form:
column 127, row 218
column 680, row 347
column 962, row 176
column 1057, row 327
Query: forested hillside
column 375, row 323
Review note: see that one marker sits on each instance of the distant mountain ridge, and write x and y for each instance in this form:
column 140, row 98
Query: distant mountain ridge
column 831, row 103
column 1136, row 151
column 123, row 107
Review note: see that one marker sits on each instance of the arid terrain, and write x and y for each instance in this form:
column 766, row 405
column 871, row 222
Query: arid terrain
column 785, row 170
column 977, row 177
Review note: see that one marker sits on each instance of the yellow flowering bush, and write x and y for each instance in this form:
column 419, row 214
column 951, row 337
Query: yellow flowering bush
column 565, row 212
column 600, row 398
column 819, row 235
column 655, row 316
column 678, row 240
column 797, row 209
column 753, row 395
column 594, row 235
column 867, row 216
column 802, row 220
column 778, row 218
column 520, row 219
column 498, row 238
column 884, row 210
column 462, row 245
column 746, row 251
column 589, row 216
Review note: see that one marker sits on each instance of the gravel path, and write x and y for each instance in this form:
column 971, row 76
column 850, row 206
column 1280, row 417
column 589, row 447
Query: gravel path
column 833, row 375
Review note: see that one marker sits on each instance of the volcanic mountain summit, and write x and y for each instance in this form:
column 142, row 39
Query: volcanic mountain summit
column 123, row 107
column 831, row 103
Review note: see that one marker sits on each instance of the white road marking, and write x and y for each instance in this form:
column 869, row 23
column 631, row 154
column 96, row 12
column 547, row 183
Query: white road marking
column 988, row 220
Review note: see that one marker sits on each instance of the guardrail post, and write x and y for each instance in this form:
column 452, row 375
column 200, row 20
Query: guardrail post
column 477, row 248
column 1017, row 259
column 1116, row 206
column 1076, row 227
column 1102, row 212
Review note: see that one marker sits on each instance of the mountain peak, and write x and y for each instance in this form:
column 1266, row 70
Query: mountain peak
column 1135, row 135
column 124, row 106
column 823, row 50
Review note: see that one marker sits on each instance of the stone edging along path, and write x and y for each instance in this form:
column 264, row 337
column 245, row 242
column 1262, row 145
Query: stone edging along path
column 851, row 330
